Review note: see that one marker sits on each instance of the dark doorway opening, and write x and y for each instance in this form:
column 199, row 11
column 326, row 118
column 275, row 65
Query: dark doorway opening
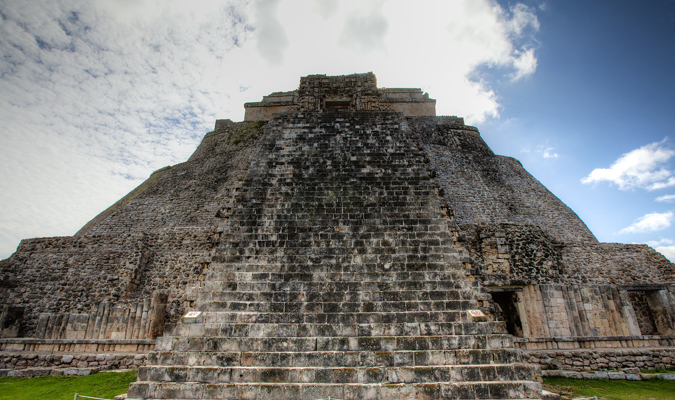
column 507, row 304
column 643, row 312
column 337, row 104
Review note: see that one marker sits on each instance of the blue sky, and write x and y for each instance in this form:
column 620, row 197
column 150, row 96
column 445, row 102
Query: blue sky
column 604, row 87
column 95, row 95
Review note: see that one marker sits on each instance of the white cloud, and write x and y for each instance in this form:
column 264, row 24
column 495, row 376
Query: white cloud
column 668, row 198
column 640, row 168
column 97, row 95
column 271, row 39
column 662, row 242
column 665, row 247
column 667, row 251
column 525, row 63
column 545, row 152
column 364, row 30
column 548, row 152
column 650, row 223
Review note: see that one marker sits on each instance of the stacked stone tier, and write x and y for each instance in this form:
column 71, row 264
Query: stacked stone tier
column 336, row 276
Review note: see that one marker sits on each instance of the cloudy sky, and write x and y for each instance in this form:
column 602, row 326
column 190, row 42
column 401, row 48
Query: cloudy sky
column 95, row 95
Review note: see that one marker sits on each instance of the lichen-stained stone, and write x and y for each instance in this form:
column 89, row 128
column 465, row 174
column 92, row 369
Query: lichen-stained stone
column 336, row 275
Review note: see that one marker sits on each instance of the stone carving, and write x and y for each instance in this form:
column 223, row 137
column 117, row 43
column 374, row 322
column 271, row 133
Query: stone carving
column 357, row 92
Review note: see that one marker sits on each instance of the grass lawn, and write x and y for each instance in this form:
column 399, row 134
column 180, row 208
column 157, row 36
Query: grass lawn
column 63, row 387
column 655, row 389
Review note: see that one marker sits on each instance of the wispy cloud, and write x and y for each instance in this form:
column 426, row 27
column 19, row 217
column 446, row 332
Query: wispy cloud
column 650, row 223
column 543, row 151
column 668, row 198
column 97, row 95
column 549, row 153
column 643, row 168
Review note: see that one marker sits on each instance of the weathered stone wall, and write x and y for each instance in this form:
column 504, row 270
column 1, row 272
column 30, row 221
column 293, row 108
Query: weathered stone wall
column 593, row 360
column 76, row 275
column 356, row 92
column 513, row 254
column 411, row 108
column 189, row 195
column 482, row 188
column 579, row 311
column 59, row 362
column 509, row 228
column 616, row 263
column 157, row 239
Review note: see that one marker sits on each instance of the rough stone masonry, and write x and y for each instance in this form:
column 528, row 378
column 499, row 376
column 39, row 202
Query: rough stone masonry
column 342, row 241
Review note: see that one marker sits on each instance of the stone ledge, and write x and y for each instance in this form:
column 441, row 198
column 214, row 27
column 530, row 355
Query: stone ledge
column 36, row 364
column 76, row 345
column 607, row 375
column 592, row 338
column 77, row 341
column 593, row 342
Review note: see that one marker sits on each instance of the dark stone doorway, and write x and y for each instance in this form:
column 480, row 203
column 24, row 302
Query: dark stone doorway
column 508, row 311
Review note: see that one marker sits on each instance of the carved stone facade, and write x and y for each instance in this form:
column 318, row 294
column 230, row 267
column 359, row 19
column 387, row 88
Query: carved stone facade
column 357, row 92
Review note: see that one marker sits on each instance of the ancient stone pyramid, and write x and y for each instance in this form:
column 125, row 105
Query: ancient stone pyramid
column 344, row 242
column 334, row 273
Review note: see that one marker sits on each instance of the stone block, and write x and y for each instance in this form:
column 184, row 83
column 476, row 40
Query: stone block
column 616, row 375
column 80, row 371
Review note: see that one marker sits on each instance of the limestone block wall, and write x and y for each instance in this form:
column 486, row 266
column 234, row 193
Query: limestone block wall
column 66, row 274
column 644, row 359
column 74, row 275
column 578, row 313
column 560, row 311
column 264, row 112
column 513, row 254
column 421, row 108
column 59, row 362
column 158, row 239
column 482, row 189
column 189, row 195
column 108, row 321
column 616, row 263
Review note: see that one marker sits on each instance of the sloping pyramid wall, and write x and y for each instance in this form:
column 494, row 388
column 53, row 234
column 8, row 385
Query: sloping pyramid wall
column 336, row 276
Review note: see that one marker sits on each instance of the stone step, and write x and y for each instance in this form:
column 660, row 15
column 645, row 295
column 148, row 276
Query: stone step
column 304, row 344
column 330, row 330
column 451, row 310
column 217, row 294
column 452, row 276
column 336, row 288
column 313, row 391
column 434, row 254
column 417, row 374
column 334, row 265
column 462, row 327
column 336, row 358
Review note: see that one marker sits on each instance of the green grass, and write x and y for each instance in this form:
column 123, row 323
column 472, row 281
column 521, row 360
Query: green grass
column 656, row 389
column 106, row 385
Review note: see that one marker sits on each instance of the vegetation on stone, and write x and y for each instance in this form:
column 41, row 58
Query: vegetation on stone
column 246, row 132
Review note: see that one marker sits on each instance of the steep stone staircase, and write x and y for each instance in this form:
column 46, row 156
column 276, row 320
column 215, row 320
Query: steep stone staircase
column 336, row 277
